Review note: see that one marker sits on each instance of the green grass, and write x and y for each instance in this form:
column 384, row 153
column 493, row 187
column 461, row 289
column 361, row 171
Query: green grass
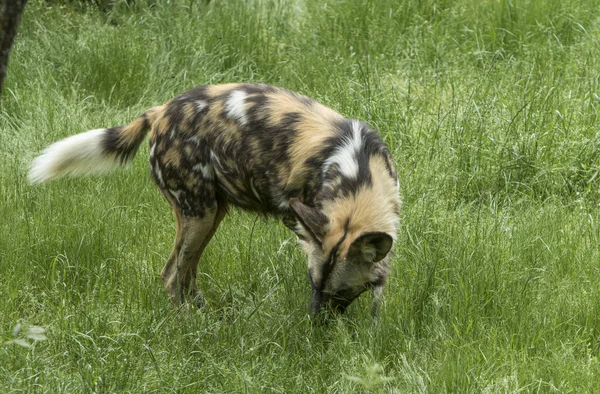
column 491, row 111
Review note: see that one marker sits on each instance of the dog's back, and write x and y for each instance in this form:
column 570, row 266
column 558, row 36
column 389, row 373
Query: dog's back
column 261, row 144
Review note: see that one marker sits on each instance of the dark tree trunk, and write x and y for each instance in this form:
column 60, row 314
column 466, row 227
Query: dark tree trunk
column 10, row 16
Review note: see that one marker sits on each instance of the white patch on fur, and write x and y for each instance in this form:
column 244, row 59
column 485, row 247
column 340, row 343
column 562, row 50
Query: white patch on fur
column 284, row 205
column 158, row 174
column 206, row 170
column 215, row 160
column 236, row 106
column 195, row 139
column 299, row 229
column 356, row 133
column 152, row 149
column 175, row 194
column 80, row 154
column 201, row 104
column 254, row 189
column 345, row 155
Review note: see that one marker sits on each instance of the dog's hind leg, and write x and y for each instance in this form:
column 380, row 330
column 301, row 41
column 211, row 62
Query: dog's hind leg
column 178, row 271
column 194, row 292
column 170, row 267
column 182, row 168
column 190, row 283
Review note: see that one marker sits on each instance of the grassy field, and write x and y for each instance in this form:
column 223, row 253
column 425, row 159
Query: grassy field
column 491, row 111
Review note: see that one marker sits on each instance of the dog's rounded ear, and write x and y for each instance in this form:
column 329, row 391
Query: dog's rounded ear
column 314, row 222
column 371, row 247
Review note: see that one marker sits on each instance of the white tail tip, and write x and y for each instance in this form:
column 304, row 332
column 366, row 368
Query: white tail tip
column 80, row 154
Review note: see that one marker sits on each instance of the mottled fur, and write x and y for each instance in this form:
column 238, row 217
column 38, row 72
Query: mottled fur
column 267, row 150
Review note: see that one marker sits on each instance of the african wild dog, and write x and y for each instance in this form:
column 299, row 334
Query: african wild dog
column 267, row 150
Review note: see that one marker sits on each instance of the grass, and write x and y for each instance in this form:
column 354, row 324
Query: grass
column 490, row 109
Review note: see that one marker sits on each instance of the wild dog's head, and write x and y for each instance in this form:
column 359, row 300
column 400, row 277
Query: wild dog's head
column 348, row 242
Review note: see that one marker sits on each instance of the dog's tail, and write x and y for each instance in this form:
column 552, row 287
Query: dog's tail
column 94, row 151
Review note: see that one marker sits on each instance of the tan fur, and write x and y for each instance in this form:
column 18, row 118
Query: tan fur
column 280, row 104
column 371, row 209
column 217, row 90
column 189, row 111
column 155, row 112
column 161, row 124
column 249, row 105
column 173, row 155
column 314, row 129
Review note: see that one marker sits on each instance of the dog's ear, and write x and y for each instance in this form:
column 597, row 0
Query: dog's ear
column 371, row 247
column 312, row 221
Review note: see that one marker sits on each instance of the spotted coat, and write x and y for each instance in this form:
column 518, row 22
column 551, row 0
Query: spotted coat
column 268, row 150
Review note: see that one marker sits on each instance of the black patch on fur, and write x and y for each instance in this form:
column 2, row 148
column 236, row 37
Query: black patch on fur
column 174, row 112
column 389, row 163
column 331, row 261
column 111, row 141
column 197, row 93
column 257, row 88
